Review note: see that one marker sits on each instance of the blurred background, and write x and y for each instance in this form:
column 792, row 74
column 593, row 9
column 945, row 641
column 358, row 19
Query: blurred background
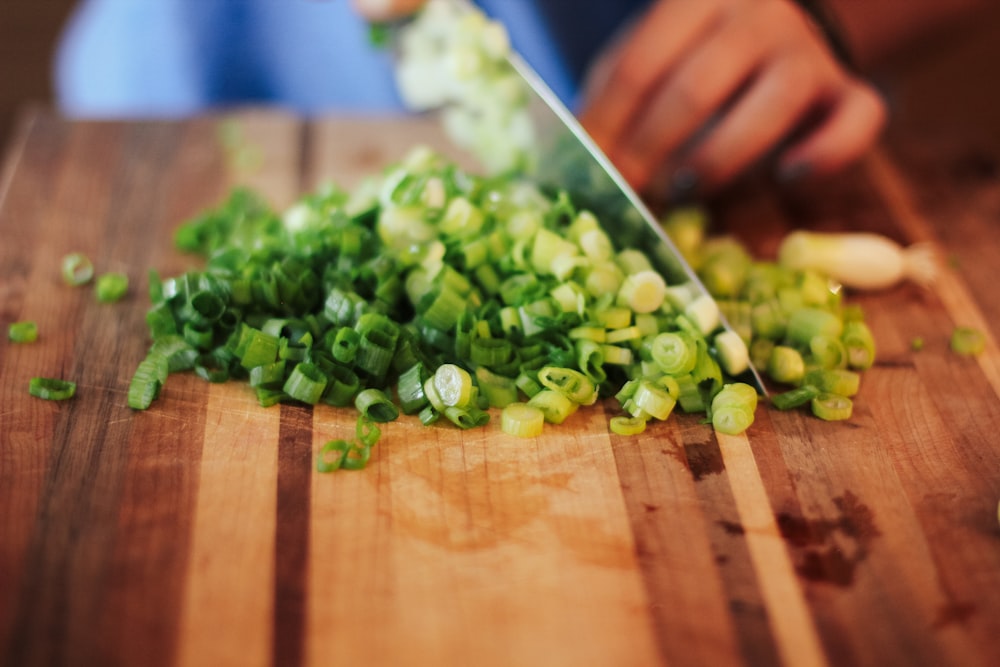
column 946, row 90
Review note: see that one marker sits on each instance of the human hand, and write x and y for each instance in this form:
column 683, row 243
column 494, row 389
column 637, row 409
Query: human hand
column 386, row 10
column 700, row 90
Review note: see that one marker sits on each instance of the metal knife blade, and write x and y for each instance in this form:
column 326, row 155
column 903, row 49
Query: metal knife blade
column 567, row 158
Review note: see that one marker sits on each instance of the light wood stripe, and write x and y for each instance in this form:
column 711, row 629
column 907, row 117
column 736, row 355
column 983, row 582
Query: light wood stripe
column 949, row 288
column 227, row 609
column 795, row 633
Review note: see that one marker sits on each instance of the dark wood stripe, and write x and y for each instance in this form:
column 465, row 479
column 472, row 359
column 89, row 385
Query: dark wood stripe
column 77, row 532
column 27, row 175
column 291, row 538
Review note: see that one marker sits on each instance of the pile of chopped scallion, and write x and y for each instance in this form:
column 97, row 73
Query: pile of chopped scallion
column 438, row 293
column 799, row 331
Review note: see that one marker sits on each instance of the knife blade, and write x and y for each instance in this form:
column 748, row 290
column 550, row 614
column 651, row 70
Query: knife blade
column 556, row 152
column 567, row 158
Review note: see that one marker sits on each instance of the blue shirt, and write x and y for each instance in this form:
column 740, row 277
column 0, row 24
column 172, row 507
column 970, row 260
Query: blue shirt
column 176, row 57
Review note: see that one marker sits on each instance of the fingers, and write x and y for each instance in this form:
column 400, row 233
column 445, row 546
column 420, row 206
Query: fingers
column 706, row 88
column 385, row 10
column 849, row 128
column 631, row 73
column 687, row 100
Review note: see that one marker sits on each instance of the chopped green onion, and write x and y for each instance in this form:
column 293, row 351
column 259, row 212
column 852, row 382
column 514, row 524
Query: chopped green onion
column 736, row 393
column 410, row 389
column 786, row 365
column 616, row 356
column 554, row 405
column 654, row 400
column 268, row 375
column 51, row 389
column 499, row 390
column 760, row 352
column 732, row 352
column 674, row 352
column 490, row 351
column 356, row 457
column 834, row 380
column 967, row 341
column 77, row 269
column 522, row 420
column 627, row 425
column 343, row 385
column 691, row 398
column 859, row 343
column 306, row 383
column 831, row 407
column 624, row 335
column 704, row 313
column 768, row 319
column 458, row 293
column 724, row 266
column 375, row 405
column 453, row 385
column 345, row 345
column 147, row 380
column 731, row 419
column 614, row 317
column 733, row 408
column 794, row 398
column 827, row 351
column 571, row 383
column 23, row 332
column 466, row 416
column 331, row 455
column 111, row 287
column 211, row 367
column 808, row 322
column 642, row 292
column 257, row 348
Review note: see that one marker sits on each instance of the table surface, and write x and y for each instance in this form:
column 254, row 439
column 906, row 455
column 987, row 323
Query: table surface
column 198, row 532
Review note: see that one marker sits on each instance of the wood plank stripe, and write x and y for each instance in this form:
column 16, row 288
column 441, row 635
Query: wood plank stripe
column 227, row 616
column 671, row 523
column 957, row 300
column 23, row 460
column 291, row 536
column 75, row 529
column 796, row 635
column 229, row 609
column 165, row 443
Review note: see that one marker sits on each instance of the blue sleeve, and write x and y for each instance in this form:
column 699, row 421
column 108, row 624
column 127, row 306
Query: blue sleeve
column 177, row 57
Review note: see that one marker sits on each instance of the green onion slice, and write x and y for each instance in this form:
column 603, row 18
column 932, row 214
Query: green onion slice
column 967, row 341
column 51, row 389
column 627, row 425
column 831, row 407
column 23, row 332
column 111, row 287
column 77, row 269
column 522, row 420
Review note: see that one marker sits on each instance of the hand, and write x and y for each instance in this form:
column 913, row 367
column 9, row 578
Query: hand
column 385, row 10
column 700, row 90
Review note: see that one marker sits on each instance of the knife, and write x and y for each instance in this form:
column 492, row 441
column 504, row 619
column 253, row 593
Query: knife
column 567, row 158
column 563, row 157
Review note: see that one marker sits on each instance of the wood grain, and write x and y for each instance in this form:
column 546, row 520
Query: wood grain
column 198, row 532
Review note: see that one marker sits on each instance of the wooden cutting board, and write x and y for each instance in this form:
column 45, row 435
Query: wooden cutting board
column 198, row 533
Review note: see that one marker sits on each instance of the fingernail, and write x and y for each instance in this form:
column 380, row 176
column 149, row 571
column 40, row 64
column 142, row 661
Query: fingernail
column 683, row 184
